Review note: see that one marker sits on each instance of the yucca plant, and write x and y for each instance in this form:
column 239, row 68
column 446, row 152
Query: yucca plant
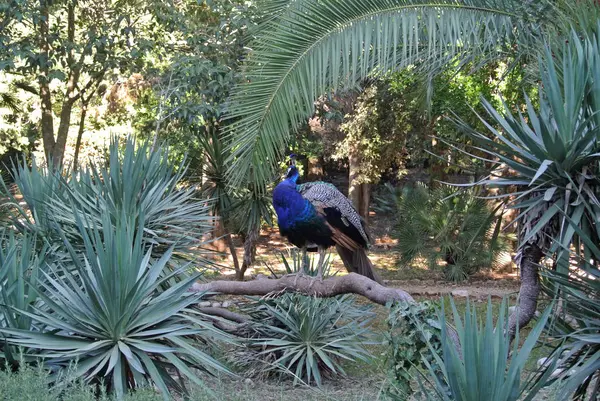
column 109, row 313
column 486, row 367
column 576, row 322
column 147, row 186
column 134, row 181
column 21, row 265
column 37, row 186
column 552, row 157
column 293, row 264
column 454, row 230
column 306, row 337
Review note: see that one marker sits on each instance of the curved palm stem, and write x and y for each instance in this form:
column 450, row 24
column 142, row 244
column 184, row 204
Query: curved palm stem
column 314, row 46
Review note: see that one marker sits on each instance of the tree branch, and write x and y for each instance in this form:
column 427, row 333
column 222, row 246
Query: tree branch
column 224, row 313
column 350, row 283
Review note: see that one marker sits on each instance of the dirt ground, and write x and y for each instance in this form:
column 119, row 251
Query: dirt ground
column 417, row 279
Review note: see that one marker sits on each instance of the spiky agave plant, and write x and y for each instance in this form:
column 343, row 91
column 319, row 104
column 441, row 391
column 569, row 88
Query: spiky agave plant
column 21, row 265
column 306, row 337
column 576, row 322
column 109, row 312
column 486, row 366
column 134, row 181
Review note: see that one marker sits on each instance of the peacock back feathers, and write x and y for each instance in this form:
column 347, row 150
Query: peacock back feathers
column 337, row 207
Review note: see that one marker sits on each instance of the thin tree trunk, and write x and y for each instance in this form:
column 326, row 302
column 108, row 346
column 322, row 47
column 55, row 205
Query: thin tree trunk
column 70, row 96
column 529, row 291
column 47, row 122
column 365, row 201
column 236, row 263
column 79, row 135
column 354, row 190
column 249, row 253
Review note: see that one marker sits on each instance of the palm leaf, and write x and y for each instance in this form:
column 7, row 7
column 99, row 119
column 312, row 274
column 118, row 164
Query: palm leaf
column 314, row 46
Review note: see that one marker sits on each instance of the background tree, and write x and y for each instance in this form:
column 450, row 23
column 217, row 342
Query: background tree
column 66, row 49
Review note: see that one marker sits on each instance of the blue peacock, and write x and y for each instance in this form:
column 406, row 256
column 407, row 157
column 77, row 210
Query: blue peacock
column 317, row 215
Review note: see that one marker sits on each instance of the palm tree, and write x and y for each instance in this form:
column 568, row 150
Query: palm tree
column 312, row 47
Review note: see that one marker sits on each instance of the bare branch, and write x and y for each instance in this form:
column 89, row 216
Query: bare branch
column 351, row 283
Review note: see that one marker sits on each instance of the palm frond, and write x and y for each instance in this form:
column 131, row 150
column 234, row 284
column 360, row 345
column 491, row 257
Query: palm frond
column 316, row 45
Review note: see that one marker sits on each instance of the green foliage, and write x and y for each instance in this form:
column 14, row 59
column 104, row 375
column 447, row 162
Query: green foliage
column 576, row 323
column 485, row 367
column 141, row 183
column 552, row 151
column 458, row 232
column 32, row 384
column 412, row 327
column 294, row 264
column 21, row 265
column 62, row 51
column 108, row 312
column 390, row 127
column 340, row 42
column 306, row 337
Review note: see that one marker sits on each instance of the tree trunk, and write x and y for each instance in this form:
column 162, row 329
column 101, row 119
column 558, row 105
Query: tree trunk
column 70, row 96
column 47, row 122
column 79, row 136
column 365, row 201
column 354, row 190
column 236, row 263
column 249, row 253
column 63, row 132
column 529, row 291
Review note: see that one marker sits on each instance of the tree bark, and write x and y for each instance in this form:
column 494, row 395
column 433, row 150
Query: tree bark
column 354, row 190
column 365, row 201
column 47, row 120
column 70, row 96
column 79, row 135
column 351, row 283
column 249, row 253
column 230, row 244
column 529, row 291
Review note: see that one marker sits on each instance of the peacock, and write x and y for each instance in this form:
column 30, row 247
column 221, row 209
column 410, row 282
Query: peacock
column 317, row 215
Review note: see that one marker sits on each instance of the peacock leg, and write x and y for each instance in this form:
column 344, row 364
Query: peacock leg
column 304, row 260
column 321, row 262
column 303, row 266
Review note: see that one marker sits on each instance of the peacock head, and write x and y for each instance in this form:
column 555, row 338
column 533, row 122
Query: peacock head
column 292, row 173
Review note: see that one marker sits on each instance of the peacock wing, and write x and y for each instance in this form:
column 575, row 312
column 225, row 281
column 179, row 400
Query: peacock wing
column 337, row 210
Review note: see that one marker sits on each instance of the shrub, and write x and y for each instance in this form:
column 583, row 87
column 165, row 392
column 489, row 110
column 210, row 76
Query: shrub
column 108, row 311
column 294, row 264
column 485, row 367
column 306, row 337
column 31, row 384
column 457, row 232
column 411, row 327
